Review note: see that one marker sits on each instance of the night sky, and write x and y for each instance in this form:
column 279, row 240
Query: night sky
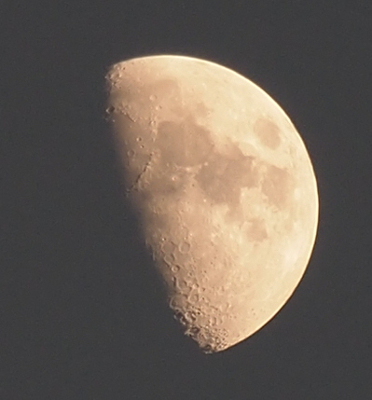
column 81, row 312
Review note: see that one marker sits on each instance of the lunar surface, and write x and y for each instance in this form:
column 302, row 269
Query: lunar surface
column 223, row 188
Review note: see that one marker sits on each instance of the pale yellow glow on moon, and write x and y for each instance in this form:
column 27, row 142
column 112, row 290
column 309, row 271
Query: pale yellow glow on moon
column 223, row 187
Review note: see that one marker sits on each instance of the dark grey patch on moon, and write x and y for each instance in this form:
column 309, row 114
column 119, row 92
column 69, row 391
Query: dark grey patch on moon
column 224, row 175
column 221, row 175
column 185, row 143
column 202, row 110
column 257, row 230
column 268, row 132
column 277, row 186
column 178, row 145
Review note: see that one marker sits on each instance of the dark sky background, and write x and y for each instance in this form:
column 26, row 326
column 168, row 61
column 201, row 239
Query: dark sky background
column 81, row 309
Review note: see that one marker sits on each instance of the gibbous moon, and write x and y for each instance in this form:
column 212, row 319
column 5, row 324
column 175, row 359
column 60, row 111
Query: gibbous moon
column 223, row 188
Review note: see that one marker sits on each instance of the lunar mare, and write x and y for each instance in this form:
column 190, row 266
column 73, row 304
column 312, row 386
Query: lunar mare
column 223, row 188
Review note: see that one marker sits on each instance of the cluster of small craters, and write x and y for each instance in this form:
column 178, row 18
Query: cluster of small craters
column 201, row 327
column 197, row 292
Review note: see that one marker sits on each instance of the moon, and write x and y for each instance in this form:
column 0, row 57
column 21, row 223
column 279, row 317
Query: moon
column 223, row 187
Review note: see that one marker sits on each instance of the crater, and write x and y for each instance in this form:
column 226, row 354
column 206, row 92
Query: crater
column 268, row 132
